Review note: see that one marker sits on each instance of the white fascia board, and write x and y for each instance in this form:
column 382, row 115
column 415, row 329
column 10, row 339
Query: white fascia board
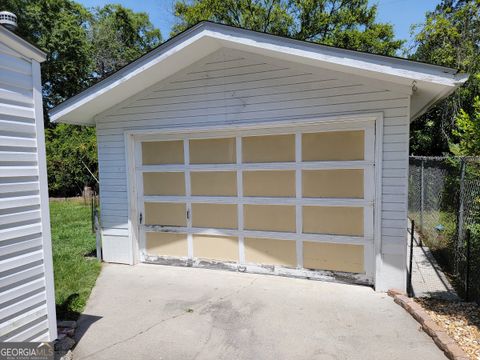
column 21, row 46
column 392, row 69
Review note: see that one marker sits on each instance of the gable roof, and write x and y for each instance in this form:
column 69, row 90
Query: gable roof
column 430, row 83
column 21, row 45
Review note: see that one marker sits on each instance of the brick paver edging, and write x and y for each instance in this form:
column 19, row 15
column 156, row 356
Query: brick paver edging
column 437, row 333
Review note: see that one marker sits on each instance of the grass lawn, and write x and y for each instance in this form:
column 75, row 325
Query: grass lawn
column 74, row 263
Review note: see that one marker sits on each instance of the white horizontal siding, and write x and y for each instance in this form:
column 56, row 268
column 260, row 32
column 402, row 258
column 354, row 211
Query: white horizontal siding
column 12, row 310
column 22, row 320
column 14, row 63
column 21, row 275
column 13, row 232
column 23, row 309
column 15, row 202
column 232, row 87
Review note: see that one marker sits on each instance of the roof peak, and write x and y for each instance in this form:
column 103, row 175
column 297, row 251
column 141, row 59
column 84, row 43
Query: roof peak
column 205, row 37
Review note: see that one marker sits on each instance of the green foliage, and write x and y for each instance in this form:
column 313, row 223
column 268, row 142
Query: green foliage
column 82, row 47
column 58, row 28
column 468, row 131
column 343, row 23
column 426, row 137
column 259, row 15
column 71, row 149
column 119, row 36
column 449, row 37
column 72, row 241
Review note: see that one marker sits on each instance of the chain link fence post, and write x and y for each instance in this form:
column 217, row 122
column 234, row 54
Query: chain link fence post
column 460, row 218
column 461, row 202
column 410, row 268
column 422, row 196
column 467, row 275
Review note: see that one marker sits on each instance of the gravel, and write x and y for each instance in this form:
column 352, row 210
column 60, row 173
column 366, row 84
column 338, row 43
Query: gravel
column 460, row 320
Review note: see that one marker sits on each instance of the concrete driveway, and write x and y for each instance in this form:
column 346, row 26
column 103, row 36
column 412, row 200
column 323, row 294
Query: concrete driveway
column 160, row 312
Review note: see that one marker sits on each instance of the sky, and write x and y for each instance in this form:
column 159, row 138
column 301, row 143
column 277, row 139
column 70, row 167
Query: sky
column 401, row 13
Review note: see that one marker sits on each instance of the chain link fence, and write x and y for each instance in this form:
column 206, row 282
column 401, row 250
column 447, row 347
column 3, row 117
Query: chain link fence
column 444, row 201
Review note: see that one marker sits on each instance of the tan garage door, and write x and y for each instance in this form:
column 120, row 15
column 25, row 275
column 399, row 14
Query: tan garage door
column 300, row 199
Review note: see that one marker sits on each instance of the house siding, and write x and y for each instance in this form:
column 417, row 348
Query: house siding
column 233, row 87
column 26, row 286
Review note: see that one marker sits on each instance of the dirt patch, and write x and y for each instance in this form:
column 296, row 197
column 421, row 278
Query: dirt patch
column 460, row 320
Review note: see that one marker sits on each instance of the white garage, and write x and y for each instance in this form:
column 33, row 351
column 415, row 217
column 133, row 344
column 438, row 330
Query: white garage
column 234, row 149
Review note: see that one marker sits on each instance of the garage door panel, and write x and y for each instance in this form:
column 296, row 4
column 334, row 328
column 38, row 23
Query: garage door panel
column 162, row 152
column 270, row 252
column 343, row 183
column 269, row 183
column 213, row 151
column 333, row 146
column 307, row 191
column 223, row 216
column 164, row 183
column 220, row 248
column 270, row 217
column 166, row 244
column 271, row 148
column 165, row 214
column 214, row 183
column 335, row 220
column 334, row 257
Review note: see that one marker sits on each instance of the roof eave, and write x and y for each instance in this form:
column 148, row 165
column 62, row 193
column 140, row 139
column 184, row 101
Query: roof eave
column 459, row 80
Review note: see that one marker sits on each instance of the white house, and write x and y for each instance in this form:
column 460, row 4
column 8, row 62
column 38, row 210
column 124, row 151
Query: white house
column 27, row 299
column 235, row 149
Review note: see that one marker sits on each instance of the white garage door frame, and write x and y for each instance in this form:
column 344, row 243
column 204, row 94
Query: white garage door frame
column 371, row 123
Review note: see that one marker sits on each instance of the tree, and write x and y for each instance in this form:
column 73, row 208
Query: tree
column 119, row 36
column 468, row 131
column 59, row 28
column 72, row 153
column 260, row 15
column 344, row 23
column 82, row 47
column 449, row 37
